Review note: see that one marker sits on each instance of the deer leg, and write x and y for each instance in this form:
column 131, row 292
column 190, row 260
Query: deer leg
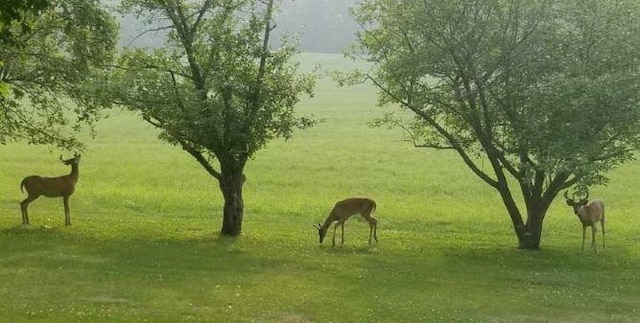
column 333, row 239
column 342, row 227
column 593, row 238
column 23, row 207
column 67, row 216
column 584, row 232
column 375, row 229
column 602, row 222
column 372, row 232
column 372, row 226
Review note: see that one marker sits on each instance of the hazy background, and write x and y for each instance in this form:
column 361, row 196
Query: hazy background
column 323, row 26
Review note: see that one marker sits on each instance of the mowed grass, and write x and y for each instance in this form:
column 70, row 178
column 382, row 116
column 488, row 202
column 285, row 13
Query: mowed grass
column 144, row 245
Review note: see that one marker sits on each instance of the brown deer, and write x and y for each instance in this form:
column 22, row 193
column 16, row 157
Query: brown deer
column 62, row 186
column 589, row 215
column 343, row 210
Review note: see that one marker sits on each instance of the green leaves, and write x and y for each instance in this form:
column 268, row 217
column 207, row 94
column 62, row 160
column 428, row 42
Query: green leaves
column 538, row 94
column 49, row 77
column 535, row 81
column 15, row 18
column 214, row 89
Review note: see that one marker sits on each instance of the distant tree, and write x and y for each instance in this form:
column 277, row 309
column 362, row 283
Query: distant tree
column 216, row 89
column 534, row 96
column 47, row 68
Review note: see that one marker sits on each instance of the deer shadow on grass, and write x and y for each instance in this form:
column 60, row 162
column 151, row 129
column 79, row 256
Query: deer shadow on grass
column 346, row 249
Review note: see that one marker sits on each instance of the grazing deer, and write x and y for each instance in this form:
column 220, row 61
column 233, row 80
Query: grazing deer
column 343, row 210
column 62, row 186
column 589, row 214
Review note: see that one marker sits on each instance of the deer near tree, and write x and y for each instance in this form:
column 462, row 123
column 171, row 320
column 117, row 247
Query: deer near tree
column 343, row 210
column 62, row 186
column 589, row 215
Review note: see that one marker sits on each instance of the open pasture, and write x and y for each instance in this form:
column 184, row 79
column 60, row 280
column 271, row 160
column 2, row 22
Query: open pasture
column 144, row 245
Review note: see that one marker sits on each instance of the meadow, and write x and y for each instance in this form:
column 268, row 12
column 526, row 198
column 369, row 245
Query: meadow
column 144, row 245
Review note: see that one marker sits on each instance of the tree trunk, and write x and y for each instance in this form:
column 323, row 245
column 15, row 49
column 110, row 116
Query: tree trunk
column 231, row 185
column 529, row 235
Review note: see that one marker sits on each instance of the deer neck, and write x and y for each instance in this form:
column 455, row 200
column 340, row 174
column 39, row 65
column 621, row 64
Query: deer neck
column 75, row 172
column 584, row 215
column 329, row 221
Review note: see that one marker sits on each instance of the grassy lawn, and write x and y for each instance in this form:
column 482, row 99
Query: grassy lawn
column 144, row 245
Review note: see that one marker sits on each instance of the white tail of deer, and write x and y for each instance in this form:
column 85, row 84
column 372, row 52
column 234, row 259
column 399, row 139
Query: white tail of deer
column 62, row 186
column 343, row 210
column 589, row 215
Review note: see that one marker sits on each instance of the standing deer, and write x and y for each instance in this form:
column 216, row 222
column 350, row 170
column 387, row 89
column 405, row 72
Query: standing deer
column 589, row 215
column 343, row 210
column 62, row 186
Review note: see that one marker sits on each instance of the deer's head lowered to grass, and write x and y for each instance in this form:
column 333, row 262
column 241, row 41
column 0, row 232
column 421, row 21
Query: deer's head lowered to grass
column 62, row 186
column 343, row 210
column 589, row 215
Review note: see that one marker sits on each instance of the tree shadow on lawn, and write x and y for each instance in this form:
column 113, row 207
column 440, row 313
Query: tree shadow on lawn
column 479, row 265
column 165, row 278
column 544, row 259
column 179, row 258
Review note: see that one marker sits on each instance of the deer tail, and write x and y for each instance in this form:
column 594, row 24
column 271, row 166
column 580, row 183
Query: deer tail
column 23, row 184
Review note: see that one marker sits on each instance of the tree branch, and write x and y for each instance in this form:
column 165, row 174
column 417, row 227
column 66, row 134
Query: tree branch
column 454, row 143
column 262, row 66
column 136, row 37
column 200, row 158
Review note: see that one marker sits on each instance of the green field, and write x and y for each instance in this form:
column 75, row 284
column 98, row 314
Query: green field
column 145, row 247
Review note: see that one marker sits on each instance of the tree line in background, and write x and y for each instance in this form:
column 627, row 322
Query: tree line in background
column 545, row 92
column 320, row 26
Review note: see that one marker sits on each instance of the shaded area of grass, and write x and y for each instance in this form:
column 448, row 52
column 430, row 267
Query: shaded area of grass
column 144, row 245
column 70, row 275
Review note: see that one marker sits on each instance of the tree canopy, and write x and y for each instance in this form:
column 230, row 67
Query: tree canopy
column 544, row 93
column 216, row 89
column 47, row 70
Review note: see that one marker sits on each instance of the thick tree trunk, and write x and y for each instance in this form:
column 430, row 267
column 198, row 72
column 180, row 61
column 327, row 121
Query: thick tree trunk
column 231, row 185
column 529, row 235
column 537, row 202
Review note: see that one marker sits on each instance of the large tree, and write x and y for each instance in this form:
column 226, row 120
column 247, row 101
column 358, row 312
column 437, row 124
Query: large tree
column 216, row 89
column 535, row 96
column 48, row 58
